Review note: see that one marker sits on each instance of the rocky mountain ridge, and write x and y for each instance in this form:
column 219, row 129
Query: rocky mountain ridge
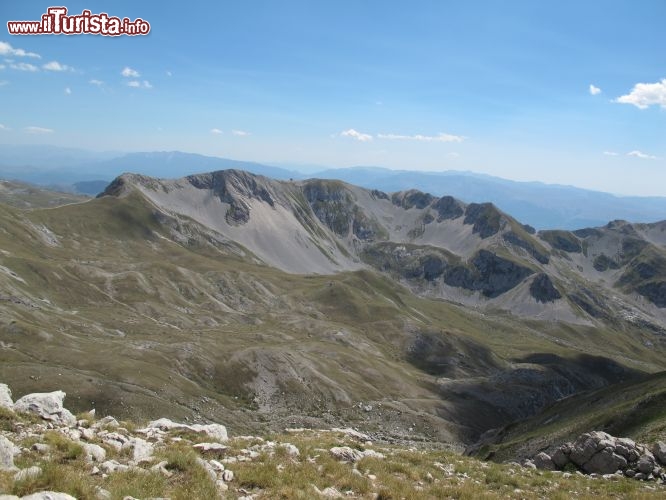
column 436, row 321
column 473, row 254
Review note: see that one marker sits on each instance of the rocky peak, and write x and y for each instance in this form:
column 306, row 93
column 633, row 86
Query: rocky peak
column 229, row 184
column 412, row 199
column 486, row 219
column 235, row 187
column 448, row 207
column 123, row 184
column 543, row 290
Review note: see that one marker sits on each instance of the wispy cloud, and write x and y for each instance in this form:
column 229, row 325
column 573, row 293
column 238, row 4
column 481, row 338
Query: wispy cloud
column 4, row 127
column 216, row 131
column 594, row 90
column 240, row 133
column 611, row 153
column 99, row 83
column 56, row 66
column 128, row 72
column 139, row 85
column 441, row 137
column 38, row 130
column 24, row 67
column 641, row 155
column 68, row 91
column 4, row 82
column 354, row 134
column 168, row 73
column 2, row 66
column 8, row 51
column 644, row 95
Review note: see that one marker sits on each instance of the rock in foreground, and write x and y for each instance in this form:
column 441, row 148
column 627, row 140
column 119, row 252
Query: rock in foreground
column 600, row 453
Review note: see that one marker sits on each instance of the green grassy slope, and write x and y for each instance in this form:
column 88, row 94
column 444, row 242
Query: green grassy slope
column 28, row 196
column 142, row 314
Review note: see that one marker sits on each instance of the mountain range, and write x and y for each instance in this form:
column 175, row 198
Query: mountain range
column 543, row 206
column 264, row 303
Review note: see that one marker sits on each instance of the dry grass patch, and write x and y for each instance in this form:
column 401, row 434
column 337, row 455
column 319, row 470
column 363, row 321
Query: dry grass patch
column 137, row 484
column 65, row 478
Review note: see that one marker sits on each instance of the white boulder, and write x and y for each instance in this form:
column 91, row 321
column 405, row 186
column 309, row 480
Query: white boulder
column 6, row 397
column 47, row 405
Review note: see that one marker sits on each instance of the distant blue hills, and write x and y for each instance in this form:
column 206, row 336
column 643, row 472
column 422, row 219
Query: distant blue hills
column 537, row 204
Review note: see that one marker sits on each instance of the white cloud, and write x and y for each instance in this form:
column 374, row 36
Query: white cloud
column 99, row 83
column 139, row 85
column 359, row 136
column 2, row 66
column 3, row 83
column 24, row 67
column 594, row 90
column 441, row 137
column 128, row 72
column 4, row 127
column 644, row 95
column 7, row 50
column 611, row 153
column 68, row 91
column 56, row 66
column 240, row 133
column 641, row 155
column 216, row 131
column 38, row 130
column 168, row 73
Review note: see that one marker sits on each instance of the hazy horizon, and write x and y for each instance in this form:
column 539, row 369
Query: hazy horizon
column 568, row 93
column 310, row 169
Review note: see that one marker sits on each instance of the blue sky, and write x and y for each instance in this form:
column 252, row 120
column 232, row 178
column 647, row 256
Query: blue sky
column 502, row 88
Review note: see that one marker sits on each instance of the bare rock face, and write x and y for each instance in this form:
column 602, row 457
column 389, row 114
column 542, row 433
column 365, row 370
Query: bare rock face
column 543, row 290
column 448, row 208
column 48, row 405
column 491, row 274
column 485, row 218
column 233, row 187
